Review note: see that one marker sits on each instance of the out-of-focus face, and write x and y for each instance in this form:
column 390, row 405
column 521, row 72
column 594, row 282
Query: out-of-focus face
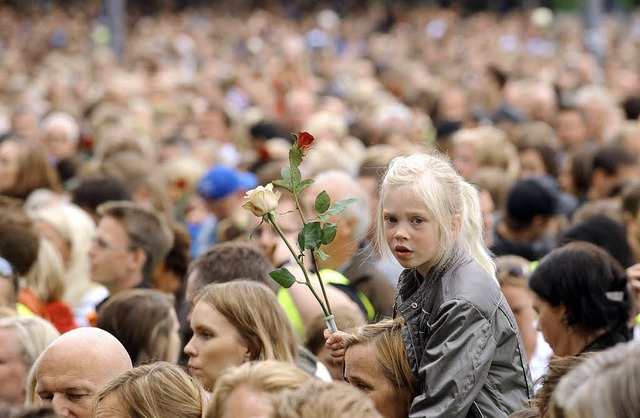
column 248, row 403
column 520, row 300
column 110, row 253
column 551, row 324
column 363, row 372
column 531, row 164
column 63, row 246
column 110, row 407
column 216, row 345
column 268, row 239
column 13, row 372
column 487, row 207
column 9, row 164
column 571, row 129
column 410, row 230
column 224, row 207
column 465, row 160
column 58, row 144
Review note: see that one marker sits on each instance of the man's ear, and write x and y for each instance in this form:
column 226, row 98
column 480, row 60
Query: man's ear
column 139, row 257
column 456, row 225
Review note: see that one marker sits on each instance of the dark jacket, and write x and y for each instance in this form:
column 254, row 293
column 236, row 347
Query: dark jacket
column 462, row 342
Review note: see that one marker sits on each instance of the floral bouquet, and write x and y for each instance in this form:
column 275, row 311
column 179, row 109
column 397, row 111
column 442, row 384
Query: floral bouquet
column 316, row 231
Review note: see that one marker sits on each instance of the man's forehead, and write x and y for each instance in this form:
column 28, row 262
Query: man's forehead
column 63, row 384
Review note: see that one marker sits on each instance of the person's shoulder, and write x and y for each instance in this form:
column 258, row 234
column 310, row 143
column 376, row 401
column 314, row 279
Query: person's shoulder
column 470, row 284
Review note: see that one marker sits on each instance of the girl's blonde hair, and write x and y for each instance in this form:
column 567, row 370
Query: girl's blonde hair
column 267, row 376
column 157, row 390
column 77, row 228
column 446, row 195
column 46, row 276
column 253, row 309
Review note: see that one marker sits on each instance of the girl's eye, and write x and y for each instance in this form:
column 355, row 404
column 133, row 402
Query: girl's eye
column 390, row 219
column 361, row 386
column 418, row 220
column 206, row 335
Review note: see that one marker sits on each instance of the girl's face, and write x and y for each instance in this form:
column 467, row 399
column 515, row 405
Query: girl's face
column 410, row 230
column 531, row 164
column 363, row 372
column 9, row 164
column 216, row 345
column 465, row 160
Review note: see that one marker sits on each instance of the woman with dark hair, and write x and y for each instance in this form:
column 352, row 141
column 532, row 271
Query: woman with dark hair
column 580, row 294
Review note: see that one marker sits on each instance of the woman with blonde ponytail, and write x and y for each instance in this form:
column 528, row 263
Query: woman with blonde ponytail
column 460, row 335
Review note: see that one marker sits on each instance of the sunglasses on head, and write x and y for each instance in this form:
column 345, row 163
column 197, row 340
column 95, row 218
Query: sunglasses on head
column 517, row 270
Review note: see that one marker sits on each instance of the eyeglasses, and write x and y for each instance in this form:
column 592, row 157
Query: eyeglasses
column 110, row 245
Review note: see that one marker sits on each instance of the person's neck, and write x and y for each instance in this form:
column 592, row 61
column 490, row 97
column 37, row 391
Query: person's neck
column 128, row 282
column 511, row 235
column 577, row 341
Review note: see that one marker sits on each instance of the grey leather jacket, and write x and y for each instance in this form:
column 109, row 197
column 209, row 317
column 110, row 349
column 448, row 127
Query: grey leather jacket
column 462, row 342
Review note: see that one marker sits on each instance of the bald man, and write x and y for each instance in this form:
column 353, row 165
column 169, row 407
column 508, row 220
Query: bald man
column 75, row 366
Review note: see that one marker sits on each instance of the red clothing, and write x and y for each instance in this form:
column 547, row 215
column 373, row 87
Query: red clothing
column 56, row 312
column 61, row 316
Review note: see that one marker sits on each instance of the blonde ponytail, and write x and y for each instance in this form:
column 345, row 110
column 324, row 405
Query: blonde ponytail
column 470, row 236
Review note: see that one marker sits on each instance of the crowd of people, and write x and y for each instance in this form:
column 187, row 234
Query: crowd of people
column 489, row 264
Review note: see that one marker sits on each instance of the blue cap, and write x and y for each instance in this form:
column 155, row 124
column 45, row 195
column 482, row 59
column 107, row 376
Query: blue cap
column 222, row 181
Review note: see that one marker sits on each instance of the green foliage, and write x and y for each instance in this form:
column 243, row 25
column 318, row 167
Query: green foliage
column 283, row 277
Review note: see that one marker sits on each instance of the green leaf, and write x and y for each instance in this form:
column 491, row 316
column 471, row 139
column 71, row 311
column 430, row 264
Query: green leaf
column 320, row 253
column 323, row 217
column 312, row 233
column 340, row 205
column 281, row 183
column 283, row 277
column 329, row 231
column 295, row 157
column 323, row 201
column 285, row 173
column 301, row 240
column 304, row 184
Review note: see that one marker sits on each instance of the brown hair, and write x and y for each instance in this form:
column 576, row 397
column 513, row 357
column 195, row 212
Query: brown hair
column 34, row 169
column 254, row 311
column 20, row 238
column 147, row 337
column 232, row 260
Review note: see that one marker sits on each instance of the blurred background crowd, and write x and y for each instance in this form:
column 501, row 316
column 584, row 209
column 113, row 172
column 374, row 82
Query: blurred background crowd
column 171, row 110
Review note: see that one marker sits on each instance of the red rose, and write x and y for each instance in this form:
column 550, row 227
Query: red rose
column 305, row 140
